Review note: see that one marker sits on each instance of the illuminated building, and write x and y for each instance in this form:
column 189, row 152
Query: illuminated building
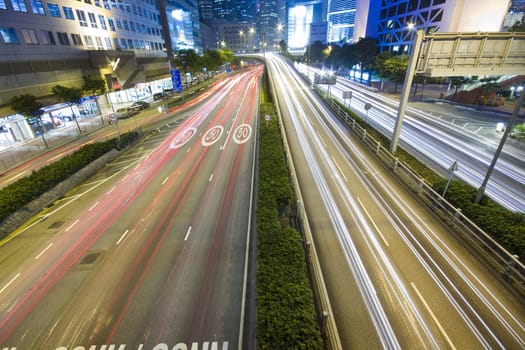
column 301, row 16
column 182, row 25
column 43, row 44
column 341, row 18
column 394, row 22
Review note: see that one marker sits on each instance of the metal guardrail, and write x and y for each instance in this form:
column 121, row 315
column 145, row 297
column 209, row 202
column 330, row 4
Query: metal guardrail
column 512, row 270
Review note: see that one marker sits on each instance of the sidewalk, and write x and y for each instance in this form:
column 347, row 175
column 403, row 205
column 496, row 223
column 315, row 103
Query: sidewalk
column 17, row 153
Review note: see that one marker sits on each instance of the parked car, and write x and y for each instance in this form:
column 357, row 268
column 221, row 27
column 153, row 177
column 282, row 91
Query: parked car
column 126, row 112
column 159, row 96
column 139, row 105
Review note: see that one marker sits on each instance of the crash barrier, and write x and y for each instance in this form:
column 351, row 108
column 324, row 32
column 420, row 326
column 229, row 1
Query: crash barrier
column 511, row 269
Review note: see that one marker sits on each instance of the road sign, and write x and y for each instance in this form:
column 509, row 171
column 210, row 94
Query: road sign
column 267, row 118
column 176, row 80
column 460, row 54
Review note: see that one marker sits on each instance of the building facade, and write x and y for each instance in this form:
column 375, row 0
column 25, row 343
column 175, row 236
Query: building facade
column 341, row 19
column 43, row 44
column 394, row 22
column 301, row 15
column 180, row 20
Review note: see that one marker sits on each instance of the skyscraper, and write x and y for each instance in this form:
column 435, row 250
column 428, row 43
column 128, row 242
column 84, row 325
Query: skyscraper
column 181, row 25
column 394, row 22
column 300, row 17
column 341, row 18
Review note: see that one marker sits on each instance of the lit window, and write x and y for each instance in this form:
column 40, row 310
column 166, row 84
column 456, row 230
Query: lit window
column 3, row 5
column 77, row 39
column 92, row 19
column 63, row 38
column 68, row 12
column 53, row 9
column 82, row 18
column 102, row 21
column 111, row 24
column 29, row 36
column 89, row 41
column 19, row 5
column 48, row 38
column 98, row 40
column 38, row 7
column 9, row 35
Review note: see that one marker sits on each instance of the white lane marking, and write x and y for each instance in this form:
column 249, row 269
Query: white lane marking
column 122, row 237
column 93, row 206
column 43, row 251
column 17, row 176
column 165, row 180
column 187, row 234
column 373, row 222
column 188, row 150
column 10, row 282
column 322, row 140
column 73, row 224
column 339, row 168
column 124, row 178
column 111, row 190
column 449, row 341
column 211, row 177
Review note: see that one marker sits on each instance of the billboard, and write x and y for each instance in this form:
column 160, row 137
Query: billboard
column 175, row 79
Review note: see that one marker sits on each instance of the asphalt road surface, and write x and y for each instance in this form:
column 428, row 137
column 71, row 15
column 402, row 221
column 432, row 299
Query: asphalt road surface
column 150, row 253
column 440, row 139
column 396, row 276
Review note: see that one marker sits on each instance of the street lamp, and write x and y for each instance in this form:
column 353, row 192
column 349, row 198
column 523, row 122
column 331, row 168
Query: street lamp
column 451, row 170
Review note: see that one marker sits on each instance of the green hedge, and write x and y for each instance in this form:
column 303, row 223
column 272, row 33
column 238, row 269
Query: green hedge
column 286, row 317
column 18, row 194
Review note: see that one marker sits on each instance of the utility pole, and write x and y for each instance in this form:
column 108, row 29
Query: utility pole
column 515, row 113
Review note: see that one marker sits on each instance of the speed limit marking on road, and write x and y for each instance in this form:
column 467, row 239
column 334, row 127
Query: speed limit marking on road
column 212, row 135
column 183, row 137
column 242, row 133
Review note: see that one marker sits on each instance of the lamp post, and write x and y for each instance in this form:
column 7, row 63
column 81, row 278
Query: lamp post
column 451, row 170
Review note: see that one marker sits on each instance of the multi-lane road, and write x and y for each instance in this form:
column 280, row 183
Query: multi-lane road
column 396, row 276
column 439, row 143
column 152, row 252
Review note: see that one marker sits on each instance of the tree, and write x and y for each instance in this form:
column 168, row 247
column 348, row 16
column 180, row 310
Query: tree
column 366, row 51
column 457, row 82
column 95, row 86
column 518, row 27
column 28, row 106
column 315, row 53
column 396, row 67
column 380, row 68
column 188, row 60
column 283, row 46
column 70, row 96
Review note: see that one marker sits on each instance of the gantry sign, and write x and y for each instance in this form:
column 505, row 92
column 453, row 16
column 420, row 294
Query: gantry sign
column 460, row 54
